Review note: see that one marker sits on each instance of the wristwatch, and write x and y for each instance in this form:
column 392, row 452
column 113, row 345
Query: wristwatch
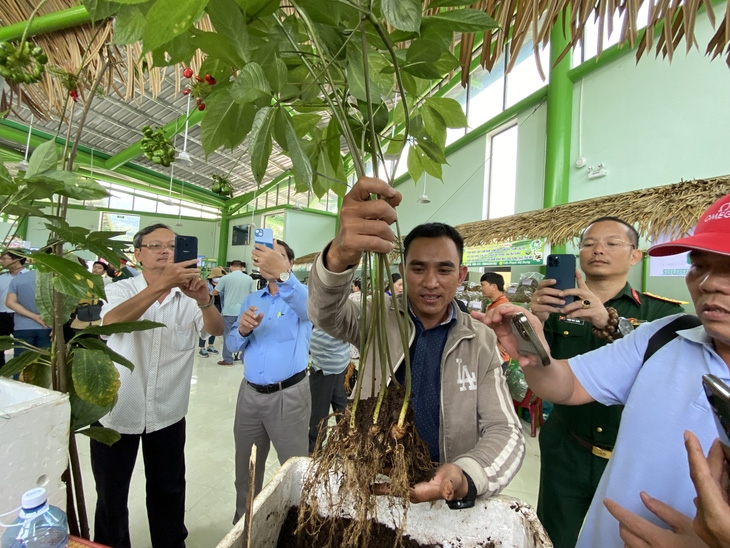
column 468, row 500
column 624, row 326
column 284, row 276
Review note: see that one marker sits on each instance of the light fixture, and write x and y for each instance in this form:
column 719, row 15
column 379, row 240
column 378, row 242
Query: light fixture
column 423, row 198
column 183, row 157
column 597, row 172
column 179, row 211
column 23, row 165
column 169, row 201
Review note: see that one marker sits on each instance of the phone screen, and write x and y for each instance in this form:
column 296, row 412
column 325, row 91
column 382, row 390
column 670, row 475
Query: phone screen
column 264, row 236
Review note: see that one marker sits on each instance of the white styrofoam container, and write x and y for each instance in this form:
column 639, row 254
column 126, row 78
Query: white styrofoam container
column 34, row 430
column 506, row 521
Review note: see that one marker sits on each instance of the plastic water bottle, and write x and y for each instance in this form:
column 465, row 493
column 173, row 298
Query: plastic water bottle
column 39, row 525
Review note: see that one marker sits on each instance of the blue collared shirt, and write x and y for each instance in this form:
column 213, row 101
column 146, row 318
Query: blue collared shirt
column 426, row 352
column 279, row 347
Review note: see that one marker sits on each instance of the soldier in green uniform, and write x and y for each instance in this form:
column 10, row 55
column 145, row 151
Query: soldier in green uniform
column 576, row 441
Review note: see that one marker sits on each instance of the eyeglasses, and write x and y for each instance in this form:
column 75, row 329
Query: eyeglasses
column 158, row 248
column 611, row 243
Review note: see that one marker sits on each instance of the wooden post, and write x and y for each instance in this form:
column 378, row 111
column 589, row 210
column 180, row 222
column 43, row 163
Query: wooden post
column 249, row 499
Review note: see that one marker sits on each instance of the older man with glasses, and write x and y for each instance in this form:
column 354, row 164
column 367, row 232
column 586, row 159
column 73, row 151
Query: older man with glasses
column 153, row 398
column 576, row 441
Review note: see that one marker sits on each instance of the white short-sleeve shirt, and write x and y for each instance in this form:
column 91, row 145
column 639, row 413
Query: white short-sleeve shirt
column 156, row 394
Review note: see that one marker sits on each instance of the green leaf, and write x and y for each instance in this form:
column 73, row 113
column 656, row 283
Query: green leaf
column 96, row 344
column 122, row 327
column 253, row 9
column 434, row 124
column 95, row 378
column 463, row 20
column 100, row 9
column 395, row 146
column 432, row 150
column 250, row 84
column 228, row 21
column 449, row 109
column 104, row 435
column 260, row 142
column 217, row 46
column 403, row 14
column 39, row 187
column 429, row 166
column 71, row 278
column 79, row 187
column 44, row 158
column 7, row 342
column 226, row 123
column 38, row 374
column 44, row 298
column 415, row 169
column 278, row 75
column 84, row 413
column 380, row 84
column 300, row 161
column 304, row 123
column 421, row 58
column 128, row 26
column 179, row 50
column 16, row 365
column 334, row 150
column 167, row 19
column 7, row 186
column 447, row 62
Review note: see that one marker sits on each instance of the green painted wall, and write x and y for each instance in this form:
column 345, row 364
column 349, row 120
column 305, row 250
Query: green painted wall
column 307, row 232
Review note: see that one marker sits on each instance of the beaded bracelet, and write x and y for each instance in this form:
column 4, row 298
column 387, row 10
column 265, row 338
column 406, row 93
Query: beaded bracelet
column 611, row 331
column 204, row 306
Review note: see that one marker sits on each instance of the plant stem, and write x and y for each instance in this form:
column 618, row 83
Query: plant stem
column 30, row 20
column 87, row 106
column 83, row 518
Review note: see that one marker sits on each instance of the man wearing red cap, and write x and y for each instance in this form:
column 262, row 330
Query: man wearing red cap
column 662, row 394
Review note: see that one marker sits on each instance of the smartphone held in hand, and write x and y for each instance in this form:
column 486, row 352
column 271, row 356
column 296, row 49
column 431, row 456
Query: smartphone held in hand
column 718, row 395
column 264, row 236
column 527, row 340
column 186, row 248
column 561, row 268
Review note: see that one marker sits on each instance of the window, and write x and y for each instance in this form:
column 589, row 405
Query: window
column 502, row 174
column 113, row 222
column 524, row 78
column 486, row 94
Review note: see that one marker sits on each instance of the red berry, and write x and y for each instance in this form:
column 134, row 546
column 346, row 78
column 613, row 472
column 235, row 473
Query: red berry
column 201, row 106
column 210, row 80
column 188, row 72
column 74, row 95
column 186, row 91
column 198, row 100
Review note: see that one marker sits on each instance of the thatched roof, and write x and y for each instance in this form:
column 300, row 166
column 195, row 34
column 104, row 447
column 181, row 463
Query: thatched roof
column 671, row 210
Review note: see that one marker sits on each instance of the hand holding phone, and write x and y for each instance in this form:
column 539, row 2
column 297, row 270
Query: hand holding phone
column 527, row 340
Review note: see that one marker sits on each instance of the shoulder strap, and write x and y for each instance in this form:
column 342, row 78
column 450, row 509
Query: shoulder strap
column 668, row 333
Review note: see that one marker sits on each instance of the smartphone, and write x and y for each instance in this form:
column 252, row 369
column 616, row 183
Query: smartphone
column 718, row 394
column 561, row 267
column 264, row 236
column 527, row 340
column 186, row 248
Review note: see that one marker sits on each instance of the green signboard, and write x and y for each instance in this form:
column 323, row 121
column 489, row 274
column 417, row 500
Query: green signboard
column 523, row 252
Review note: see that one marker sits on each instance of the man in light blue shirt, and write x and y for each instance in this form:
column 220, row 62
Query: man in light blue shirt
column 27, row 321
column 274, row 402
column 13, row 264
column 663, row 397
column 234, row 287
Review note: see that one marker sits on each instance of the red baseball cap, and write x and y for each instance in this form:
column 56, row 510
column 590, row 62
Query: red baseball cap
column 712, row 233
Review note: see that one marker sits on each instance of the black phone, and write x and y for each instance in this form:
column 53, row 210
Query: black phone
column 561, row 267
column 527, row 340
column 186, row 248
column 718, row 394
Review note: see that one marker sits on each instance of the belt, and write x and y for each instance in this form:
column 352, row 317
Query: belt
column 597, row 451
column 271, row 388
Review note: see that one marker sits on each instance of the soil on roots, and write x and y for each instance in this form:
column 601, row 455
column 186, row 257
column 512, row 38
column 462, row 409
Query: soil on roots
column 356, row 457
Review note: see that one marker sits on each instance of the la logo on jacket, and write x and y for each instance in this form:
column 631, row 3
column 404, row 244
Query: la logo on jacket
column 465, row 379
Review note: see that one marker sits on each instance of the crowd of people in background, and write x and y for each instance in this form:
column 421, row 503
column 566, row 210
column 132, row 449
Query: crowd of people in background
column 623, row 420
